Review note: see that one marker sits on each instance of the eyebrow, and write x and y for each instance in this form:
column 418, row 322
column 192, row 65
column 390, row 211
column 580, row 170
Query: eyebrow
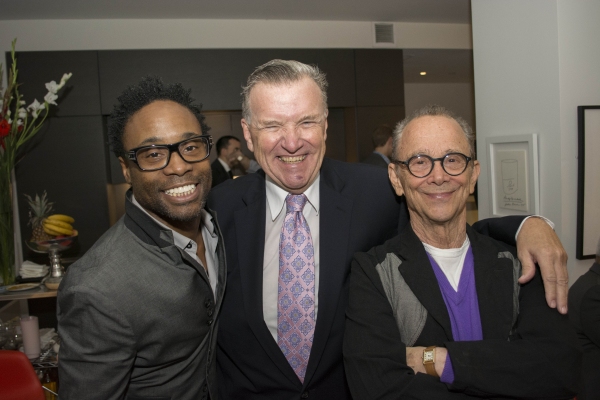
column 156, row 140
column 426, row 152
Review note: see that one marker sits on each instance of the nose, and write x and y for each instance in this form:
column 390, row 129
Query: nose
column 438, row 175
column 177, row 165
column 292, row 139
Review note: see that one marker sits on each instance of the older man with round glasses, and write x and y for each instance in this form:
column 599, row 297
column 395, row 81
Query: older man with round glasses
column 438, row 312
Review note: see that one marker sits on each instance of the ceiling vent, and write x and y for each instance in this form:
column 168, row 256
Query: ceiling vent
column 384, row 34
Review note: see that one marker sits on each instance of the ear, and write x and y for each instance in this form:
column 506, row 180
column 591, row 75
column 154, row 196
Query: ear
column 393, row 173
column 474, row 176
column 247, row 135
column 125, row 170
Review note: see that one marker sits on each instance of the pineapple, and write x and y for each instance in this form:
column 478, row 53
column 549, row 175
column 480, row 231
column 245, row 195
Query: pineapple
column 40, row 208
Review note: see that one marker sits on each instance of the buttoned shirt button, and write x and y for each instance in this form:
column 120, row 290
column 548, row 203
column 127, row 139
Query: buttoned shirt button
column 210, row 312
column 209, row 322
column 304, row 395
column 207, row 303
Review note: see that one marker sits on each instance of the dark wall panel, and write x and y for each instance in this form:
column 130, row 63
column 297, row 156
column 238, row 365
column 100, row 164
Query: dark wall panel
column 68, row 161
column 369, row 118
column 80, row 96
column 379, row 77
column 216, row 76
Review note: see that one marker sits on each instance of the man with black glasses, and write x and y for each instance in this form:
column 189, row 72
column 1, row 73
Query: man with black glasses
column 137, row 314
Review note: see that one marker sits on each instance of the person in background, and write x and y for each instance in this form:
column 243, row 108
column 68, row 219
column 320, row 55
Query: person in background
column 228, row 151
column 137, row 314
column 584, row 314
column 290, row 233
column 382, row 142
column 437, row 312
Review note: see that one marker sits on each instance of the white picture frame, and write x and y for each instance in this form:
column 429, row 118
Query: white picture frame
column 513, row 174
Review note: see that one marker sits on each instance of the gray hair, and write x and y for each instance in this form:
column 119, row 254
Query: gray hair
column 282, row 71
column 433, row 110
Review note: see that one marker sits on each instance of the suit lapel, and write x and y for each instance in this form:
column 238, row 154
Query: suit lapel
column 494, row 283
column 418, row 274
column 251, row 255
column 334, row 226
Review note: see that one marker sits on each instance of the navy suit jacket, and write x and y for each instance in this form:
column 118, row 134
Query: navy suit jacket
column 358, row 210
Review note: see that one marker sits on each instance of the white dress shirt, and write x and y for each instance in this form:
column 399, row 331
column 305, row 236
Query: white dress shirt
column 275, row 216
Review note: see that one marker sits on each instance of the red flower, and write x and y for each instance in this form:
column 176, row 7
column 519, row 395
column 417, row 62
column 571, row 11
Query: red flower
column 4, row 131
column 4, row 128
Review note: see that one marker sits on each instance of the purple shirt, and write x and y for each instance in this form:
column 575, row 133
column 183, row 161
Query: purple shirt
column 462, row 305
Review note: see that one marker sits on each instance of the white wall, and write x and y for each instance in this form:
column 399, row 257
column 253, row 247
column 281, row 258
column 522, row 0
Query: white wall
column 159, row 34
column 458, row 97
column 534, row 62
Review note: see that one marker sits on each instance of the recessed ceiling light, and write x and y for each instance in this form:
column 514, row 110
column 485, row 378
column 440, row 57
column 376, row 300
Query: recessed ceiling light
column 423, row 73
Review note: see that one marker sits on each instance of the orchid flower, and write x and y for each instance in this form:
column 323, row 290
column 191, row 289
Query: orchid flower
column 50, row 98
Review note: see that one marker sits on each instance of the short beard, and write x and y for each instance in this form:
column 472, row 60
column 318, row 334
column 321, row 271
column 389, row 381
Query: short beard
column 182, row 213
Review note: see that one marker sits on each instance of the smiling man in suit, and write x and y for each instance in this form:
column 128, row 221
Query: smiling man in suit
column 290, row 234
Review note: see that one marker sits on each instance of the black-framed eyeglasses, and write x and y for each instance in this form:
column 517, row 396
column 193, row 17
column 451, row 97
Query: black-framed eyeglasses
column 421, row 165
column 157, row 156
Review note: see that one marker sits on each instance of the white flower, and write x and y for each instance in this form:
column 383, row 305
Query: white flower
column 52, row 87
column 50, row 98
column 8, row 113
column 22, row 113
column 1, row 103
column 22, row 102
column 19, row 122
column 9, row 121
column 35, row 108
column 65, row 78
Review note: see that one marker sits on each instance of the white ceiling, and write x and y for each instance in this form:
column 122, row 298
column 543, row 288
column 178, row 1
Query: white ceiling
column 438, row 11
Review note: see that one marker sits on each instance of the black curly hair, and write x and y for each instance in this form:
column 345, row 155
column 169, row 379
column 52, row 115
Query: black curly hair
column 136, row 97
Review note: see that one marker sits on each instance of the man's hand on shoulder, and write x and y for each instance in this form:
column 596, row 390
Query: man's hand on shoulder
column 538, row 243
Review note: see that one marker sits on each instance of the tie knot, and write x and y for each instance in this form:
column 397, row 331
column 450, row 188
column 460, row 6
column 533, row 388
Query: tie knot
column 295, row 202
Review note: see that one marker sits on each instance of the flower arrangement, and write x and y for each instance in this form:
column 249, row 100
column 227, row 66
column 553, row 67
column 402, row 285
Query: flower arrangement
column 18, row 124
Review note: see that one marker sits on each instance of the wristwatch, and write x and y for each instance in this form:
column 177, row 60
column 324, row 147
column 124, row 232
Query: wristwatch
column 429, row 361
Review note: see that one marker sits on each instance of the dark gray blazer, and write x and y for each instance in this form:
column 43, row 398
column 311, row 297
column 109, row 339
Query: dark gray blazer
column 137, row 317
column 584, row 314
column 528, row 349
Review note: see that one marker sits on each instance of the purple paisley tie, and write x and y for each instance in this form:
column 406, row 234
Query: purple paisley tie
column 296, row 289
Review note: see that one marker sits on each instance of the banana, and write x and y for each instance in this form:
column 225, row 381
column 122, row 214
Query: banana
column 51, row 228
column 61, row 217
column 61, row 224
column 57, row 231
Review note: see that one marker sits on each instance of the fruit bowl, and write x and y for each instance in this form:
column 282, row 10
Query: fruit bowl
column 59, row 243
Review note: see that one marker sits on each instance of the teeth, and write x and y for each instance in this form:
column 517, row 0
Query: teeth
column 181, row 191
column 292, row 159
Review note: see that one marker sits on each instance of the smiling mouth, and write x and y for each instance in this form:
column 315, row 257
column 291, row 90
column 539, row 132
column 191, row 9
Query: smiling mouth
column 181, row 191
column 291, row 159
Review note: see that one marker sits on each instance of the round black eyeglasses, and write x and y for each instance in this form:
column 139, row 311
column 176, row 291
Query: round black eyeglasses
column 157, row 156
column 421, row 165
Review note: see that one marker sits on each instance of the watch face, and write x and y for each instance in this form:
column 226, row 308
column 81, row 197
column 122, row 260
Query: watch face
column 428, row 356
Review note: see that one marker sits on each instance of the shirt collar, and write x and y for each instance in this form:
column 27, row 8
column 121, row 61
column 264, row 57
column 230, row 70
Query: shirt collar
column 386, row 158
column 276, row 196
column 180, row 240
column 224, row 164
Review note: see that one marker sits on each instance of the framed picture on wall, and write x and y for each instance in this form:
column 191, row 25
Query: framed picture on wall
column 513, row 174
column 588, row 182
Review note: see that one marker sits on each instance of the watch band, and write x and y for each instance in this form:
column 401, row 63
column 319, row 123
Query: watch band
column 429, row 361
